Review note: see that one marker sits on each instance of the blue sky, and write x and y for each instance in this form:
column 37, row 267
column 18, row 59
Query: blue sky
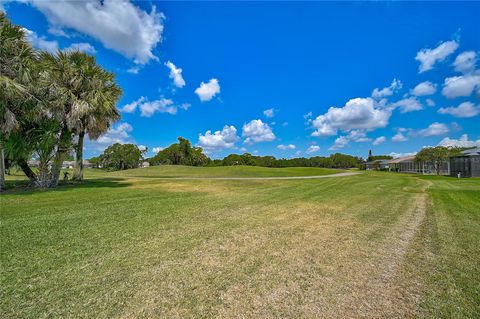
column 279, row 78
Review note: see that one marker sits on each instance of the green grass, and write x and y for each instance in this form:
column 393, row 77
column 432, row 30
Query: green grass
column 220, row 171
column 122, row 246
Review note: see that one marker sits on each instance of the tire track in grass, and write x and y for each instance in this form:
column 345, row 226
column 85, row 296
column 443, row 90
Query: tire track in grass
column 387, row 293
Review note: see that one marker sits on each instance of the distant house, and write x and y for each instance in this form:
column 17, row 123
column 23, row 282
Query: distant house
column 378, row 165
column 407, row 164
column 467, row 164
column 33, row 163
column 71, row 164
column 68, row 164
column 145, row 164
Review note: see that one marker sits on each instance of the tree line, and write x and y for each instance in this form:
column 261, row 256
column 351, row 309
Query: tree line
column 49, row 103
column 182, row 153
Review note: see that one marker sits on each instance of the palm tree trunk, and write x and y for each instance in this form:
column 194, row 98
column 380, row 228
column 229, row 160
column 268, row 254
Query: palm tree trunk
column 2, row 169
column 62, row 150
column 78, row 172
column 27, row 170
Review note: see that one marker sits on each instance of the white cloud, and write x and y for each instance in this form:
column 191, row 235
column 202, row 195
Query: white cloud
column 157, row 149
column 148, row 108
column 465, row 109
column 57, row 31
column 117, row 134
column 379, row 140
column 408, row 105
column 286, row 147
column 430, row 102
column 461, row 85
column 131, row 107
column 428, row 57
column 225, row 138
column 465, row 62
column 311, row 149
column 359, row 113
column 399, row 137
column 340, row 142
column 134, row 70
column 394, row 87
column 175, row 74
column 41, row 42
column 434, row 129
column 83, row 47
column 269, row 113
column 424, row 88
column 256, row 131
column 118, row 24
column 354, row 135
column 142, row 147
column 463, row 141
column 285, row 124
column 206, row 91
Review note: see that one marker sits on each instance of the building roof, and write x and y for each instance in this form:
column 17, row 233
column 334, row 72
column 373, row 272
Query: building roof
column 384, row 161
column 471, row 152
column 402, row 159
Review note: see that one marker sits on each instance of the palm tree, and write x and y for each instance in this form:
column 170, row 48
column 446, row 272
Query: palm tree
column 16, row 59
column 103, row 97
column 83, row 100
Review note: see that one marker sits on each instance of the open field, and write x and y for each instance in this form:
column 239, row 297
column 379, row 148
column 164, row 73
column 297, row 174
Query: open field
column 222, row 171
column 122, row 245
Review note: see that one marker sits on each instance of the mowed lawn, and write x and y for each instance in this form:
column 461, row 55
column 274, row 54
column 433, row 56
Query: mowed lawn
column 218, row 172
column 121, row 245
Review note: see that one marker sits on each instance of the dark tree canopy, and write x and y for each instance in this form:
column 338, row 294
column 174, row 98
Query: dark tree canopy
column 121, row 156
column 181, row 153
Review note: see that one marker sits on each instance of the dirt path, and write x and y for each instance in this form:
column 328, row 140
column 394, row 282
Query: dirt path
column 386, row 290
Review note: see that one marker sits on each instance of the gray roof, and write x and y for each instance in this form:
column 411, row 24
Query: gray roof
column 384, row 161
column 471, row 152
column 397, row 160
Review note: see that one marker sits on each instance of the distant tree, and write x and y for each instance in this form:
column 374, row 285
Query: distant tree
column 233, row 159
column 121, row 156
column 95, row 161
column 436, row 155
column 372, row 158
column 248, row 159
column 344, row 161
column 334, row 161
column 181, row 153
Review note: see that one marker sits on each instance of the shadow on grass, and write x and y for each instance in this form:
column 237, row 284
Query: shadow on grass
column 23, row 187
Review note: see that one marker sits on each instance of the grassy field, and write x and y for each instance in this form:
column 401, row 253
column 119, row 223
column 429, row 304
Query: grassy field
column 220, row 171
column 122, row 245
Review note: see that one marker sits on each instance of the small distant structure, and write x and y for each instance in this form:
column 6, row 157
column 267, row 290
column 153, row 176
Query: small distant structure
column 378, row 165
column 71, row 164
column 68, row 164
column 33, row 163
column 467, row 164
column 145, row 164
